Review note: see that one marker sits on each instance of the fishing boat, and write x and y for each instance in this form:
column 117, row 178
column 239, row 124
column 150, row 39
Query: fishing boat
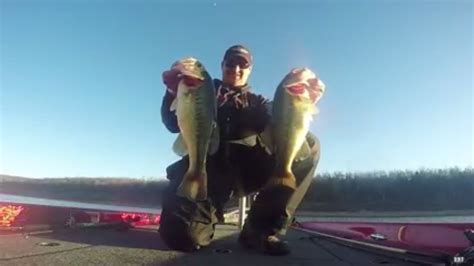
column 53, row 232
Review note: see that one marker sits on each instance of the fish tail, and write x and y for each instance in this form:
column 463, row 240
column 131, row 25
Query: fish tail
column 286, row 179
column 193, row 186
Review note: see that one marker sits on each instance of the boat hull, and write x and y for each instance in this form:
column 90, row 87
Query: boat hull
column 444, row 238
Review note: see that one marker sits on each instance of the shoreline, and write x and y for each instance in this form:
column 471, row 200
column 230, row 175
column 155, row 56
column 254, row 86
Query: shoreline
column 304, row 212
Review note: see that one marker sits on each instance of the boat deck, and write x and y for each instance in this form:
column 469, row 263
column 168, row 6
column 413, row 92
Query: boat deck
column 143, row 246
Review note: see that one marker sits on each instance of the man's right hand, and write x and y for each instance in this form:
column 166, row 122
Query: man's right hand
column 171, row 79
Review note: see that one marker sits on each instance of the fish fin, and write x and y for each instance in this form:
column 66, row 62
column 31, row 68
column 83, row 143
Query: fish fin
column 303, row 153
column 179, row 146
column 314, row 110
column 193, row 186
column 266, row 139
column 214, row 141
column 174, row 104
column 287, row 180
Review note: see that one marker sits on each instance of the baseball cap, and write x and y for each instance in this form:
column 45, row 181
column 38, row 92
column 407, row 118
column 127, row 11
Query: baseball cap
column 238, row 50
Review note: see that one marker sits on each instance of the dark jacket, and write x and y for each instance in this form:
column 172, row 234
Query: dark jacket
column 240, row 113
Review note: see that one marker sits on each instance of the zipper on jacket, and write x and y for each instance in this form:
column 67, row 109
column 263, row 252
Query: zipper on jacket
column 227, row 133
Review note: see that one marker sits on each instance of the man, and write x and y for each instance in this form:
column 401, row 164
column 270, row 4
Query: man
column 238, row 168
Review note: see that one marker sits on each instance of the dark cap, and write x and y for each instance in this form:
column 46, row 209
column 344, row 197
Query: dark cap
column 238, row 50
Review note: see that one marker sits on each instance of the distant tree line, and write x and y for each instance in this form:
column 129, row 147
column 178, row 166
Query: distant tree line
column 133, row 192
column 428, row 189
column 422, row 190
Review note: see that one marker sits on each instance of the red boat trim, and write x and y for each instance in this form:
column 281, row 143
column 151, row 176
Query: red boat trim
column 398, row 250
column 27, row 216
column 418, row 257
column 425, row 238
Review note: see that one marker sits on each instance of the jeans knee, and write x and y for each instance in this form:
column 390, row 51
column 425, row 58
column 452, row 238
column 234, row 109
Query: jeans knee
column 183, row 236
column 314, row 145
column 175, row 235
column 186, row 225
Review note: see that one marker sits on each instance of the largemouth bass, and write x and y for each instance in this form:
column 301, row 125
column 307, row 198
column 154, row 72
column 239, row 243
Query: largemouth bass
column 294, row 105
column 196, row 110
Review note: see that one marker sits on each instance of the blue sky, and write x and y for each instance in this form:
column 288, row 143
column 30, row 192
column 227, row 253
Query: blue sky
column 81, row 80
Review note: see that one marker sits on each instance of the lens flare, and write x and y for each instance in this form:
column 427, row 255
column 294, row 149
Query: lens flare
column 141, row 218
column 8, row 214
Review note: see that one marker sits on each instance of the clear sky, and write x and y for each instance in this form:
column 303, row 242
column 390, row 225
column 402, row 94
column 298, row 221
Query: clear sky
column 81, row 81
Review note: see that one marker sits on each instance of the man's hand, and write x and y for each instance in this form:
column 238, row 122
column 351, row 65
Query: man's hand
column 171, row 79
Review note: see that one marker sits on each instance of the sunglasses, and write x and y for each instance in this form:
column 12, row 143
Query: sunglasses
column 233, row 63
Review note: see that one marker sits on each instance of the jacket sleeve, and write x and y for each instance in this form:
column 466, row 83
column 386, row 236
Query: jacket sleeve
column 169, row 117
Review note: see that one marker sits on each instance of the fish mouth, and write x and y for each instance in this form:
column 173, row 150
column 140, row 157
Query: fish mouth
column 307, row 85
column 191, row 72
column 311, row 89
column 300, row 86
column 296, row 89
column 315, row 89
column 191, row 79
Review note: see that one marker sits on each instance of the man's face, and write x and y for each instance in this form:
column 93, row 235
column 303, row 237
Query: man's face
column 235, row 71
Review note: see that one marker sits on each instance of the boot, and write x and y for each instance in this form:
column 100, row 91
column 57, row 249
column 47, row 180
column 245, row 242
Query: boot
column 269, row 244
